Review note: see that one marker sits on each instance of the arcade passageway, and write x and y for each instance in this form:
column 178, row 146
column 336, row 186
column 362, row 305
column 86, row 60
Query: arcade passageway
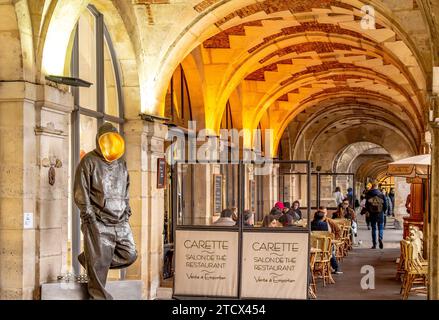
column 345, row 87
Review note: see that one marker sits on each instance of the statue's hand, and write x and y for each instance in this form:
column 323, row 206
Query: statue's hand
column 88, row 216
column 127, row 213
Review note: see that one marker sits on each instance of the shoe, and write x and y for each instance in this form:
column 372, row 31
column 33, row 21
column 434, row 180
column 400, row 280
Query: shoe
column 374, row 247
column 337, row 272
column 381, row 243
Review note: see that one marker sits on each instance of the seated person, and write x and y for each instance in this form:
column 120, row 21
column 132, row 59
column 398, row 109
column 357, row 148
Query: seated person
column 286, row 219
column 332, row 226
column 274, row 223
column 344, row 211
column 295, row 211
column 275, row 214
column 234, row 213
column 248, row 218
column 225, row 219
column 319, row 224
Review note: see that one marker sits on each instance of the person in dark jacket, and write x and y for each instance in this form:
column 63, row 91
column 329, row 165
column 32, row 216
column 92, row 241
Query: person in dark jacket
column 101, row 194
column 319, row 223
column 376, row 206
column 392, row 200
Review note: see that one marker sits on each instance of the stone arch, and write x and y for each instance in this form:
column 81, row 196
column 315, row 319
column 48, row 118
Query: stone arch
column 326, row 147
column 345, row 157
column 205, row 24
column 17, row 51
column 192, row 72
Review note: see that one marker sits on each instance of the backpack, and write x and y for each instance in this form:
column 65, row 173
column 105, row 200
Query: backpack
column 375, row 204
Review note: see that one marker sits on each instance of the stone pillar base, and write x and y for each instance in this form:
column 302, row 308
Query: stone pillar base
column 120, row 290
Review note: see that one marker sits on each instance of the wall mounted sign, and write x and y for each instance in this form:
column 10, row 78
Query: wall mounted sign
column 274, row 265
column 28, row 220
column 206, row 263
column 217, row 194
column 161, row 173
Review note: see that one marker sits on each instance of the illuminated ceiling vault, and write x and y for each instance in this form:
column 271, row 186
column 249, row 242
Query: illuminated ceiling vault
column 309, row 71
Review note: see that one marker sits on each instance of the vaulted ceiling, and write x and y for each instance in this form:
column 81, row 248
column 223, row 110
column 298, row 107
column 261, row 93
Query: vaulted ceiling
column 286, row 64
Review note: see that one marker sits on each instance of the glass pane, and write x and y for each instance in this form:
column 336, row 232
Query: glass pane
column 274, row 189
column 334, row 188
column 202, row 195
column 111, row 94
column 177, row 93
column 87, row 59
column 87, row 136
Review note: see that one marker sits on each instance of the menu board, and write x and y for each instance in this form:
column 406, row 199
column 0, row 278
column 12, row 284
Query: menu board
column 275, row 265
column 206, row 263
column 217, row 194
column 161, row 173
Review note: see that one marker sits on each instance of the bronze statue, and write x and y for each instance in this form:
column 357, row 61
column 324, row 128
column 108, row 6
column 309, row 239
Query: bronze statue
column 101, row 194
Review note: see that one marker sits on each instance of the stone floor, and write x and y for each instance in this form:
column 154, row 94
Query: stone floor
column 348, row 284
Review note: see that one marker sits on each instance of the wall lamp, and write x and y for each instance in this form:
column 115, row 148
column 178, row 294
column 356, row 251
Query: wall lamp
column 70, row 81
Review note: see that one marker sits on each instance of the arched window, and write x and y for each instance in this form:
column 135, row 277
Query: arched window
column 93, row 59
column 178, row 106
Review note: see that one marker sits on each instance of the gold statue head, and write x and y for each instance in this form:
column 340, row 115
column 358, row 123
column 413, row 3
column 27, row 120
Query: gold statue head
column 110, row 142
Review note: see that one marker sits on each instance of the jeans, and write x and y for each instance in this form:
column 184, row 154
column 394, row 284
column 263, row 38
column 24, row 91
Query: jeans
column 377, row 220
column 334, row 263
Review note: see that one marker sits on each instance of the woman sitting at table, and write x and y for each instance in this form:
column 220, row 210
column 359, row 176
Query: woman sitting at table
column 275, row 214
column 344, row 211
column 295, row 211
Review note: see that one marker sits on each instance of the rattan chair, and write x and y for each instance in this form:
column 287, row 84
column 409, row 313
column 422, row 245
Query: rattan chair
column 416, row 271
column 322, row 266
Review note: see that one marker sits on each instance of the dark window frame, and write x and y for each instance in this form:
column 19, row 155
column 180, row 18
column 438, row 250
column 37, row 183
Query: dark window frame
column 102, row 36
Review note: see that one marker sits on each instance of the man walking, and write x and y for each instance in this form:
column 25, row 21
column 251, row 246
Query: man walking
column 376, row 206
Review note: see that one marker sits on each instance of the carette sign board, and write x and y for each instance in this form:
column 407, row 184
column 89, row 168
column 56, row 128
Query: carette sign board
column 206, row 263
column 275, row 265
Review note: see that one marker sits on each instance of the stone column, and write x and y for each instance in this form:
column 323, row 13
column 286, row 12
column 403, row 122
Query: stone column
column 17, row 190
column 33, row 213
column 144, row 145
column 433, row 288
column 52, row 119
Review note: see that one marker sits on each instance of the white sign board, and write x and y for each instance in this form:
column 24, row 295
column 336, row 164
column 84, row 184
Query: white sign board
column 28, row 220
column 275, row 265
column 206, row 263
